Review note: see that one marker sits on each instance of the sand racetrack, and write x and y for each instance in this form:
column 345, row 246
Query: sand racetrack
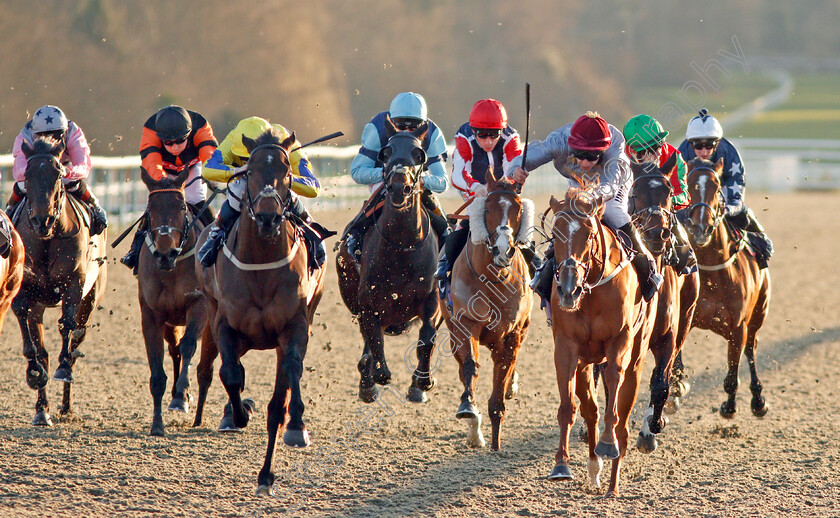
column 412, row 460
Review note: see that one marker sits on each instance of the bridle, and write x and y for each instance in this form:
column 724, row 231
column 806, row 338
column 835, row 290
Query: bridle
column 594, row 227
column 269, row 191
column 643, row 217
column 61, row 190
column 166, row 230
column 718, row 212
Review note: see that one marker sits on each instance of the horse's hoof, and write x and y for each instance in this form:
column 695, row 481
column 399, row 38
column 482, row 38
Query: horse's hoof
column 425, row 383
column 513, row 387
column 179, row 405
column 475, row 439
column 227, row 426
column 672, row 405
column 250, row 405
column 416, row 395
column 681, row 388
column 594, row 466
column 368, row 394
column 467, row 411
column 157, row 430
column 63, row 373
column 561, row 472
column 37, row 378
column 646, row 443
column 42, row 419
column 263, row 490
column 607, row 450
column 759, row 407
column 296, row 438
column 727, row 410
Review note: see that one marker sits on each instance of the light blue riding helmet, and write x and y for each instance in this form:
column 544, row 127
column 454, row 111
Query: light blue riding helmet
column 408, row 104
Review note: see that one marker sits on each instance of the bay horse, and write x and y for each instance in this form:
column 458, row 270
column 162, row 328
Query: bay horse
column 652, row 210
column 64, row 265
column 262, row 296
column 734, row 291
column 395, row 286
column 171, row 306
column 599, row 317
column 491, row 300
column 11, row 267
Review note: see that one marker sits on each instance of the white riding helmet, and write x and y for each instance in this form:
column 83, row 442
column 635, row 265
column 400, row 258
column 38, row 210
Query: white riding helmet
column 49, row 118
column 408, row 105
column 703, row 126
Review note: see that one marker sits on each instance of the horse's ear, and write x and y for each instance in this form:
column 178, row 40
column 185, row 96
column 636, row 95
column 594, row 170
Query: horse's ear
column 390, row 129
column 385, row 154
column 555, row 204
column 289, row 141
column 420, row 132
column 59, row 148
column 719, row 167
column 146, row 177
column 181, row 179
column 490, row 179
column 249, row 143
column 26, row 148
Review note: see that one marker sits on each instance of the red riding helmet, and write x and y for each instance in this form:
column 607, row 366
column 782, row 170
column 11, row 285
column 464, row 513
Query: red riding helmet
column 590, row 133
column 488, row 114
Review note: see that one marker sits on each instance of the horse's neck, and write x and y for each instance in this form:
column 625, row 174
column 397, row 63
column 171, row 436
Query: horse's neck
column 68, row 222
column 606, row 254
column 251, row 248
column 719, row 248
column 403, row 226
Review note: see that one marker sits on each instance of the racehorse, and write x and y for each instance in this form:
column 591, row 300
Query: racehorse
column 11, row 267
column 652, row 211
column 491, row 300
column 171, row 306
column 261, row 295
column 734, row 291
column 394, row 286
column 64, row 265
column 599, row 316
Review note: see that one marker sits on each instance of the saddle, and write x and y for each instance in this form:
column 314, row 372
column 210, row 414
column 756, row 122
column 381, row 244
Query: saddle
column 313, row 233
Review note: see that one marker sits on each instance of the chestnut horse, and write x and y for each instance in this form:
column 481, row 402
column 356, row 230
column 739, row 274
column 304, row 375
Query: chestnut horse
column 491, row 300
column 599, row 316
column 11, row 267
column 262, row 296
column 734, row 291
column 394, row 285
column 652, row 211
column 171, row 306
column 64, row 265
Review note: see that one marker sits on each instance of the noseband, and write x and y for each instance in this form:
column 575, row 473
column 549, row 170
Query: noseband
column 574, row 264
column 718, row 212
column 62, row 191
column 166, row 230
column 269, row 192
column 645, row 215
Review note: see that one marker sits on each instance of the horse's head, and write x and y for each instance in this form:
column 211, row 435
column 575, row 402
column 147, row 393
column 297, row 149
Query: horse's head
column 650, row 202
column 269, row 192
column 169, row 218
column 44, row 190
column 501, row 220
column 707, row 208
column 403, row 158
column 574, row 231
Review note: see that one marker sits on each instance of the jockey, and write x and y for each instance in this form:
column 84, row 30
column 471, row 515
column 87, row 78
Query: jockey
column 704, row 139
column 586, row 147
column 230, row 158
column 174, row 138
column 645, row 138
column 407, row 112
column 50, row 121
column 486, row 141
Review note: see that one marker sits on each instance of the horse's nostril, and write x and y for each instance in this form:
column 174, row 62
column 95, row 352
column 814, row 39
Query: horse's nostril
column 406, row 189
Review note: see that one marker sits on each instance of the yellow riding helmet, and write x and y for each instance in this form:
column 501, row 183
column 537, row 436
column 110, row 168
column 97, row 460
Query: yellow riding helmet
column 252, row 127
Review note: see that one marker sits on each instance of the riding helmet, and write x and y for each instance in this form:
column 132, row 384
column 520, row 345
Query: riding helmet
column 172, row 123
column 703, row 126
column 643, row 131
column 49, row 118
column 252, row 127
column 590, row 132
column 408, row 105
column 488, row 114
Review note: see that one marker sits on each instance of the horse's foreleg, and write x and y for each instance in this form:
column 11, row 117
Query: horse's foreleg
column 422, row 380
column 735, row 348
column 170, row 336
column 187, row 346
column 758, row 404
column 153, row 338
column 277, row 408
column 689, row 292
column 66, row 327
column 372, row 366
column 296, row 435
column 204, row 371
column 565, row 365
column 613, row 374
column 586, row 393
column 504, row 364
column 662, row 348
column 33, row 350
column 232, row 373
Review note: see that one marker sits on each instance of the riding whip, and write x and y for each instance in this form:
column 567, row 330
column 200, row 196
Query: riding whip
column 527, row 127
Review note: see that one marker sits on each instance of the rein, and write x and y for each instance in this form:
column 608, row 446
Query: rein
column 719, row 216
column 62, row 196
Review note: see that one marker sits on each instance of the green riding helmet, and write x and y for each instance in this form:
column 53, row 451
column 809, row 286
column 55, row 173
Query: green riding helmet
column 643, row 131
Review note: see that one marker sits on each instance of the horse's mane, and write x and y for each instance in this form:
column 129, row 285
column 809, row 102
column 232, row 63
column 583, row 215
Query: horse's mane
column 699, row 162
column 270, row 136
column 43, row 146
column 506, row 184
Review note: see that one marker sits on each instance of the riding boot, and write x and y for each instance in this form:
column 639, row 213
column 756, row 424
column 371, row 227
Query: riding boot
column 529, row 253
column 14, row 200
column 218, row 232
column 355, row 236
column 760, row 240
column 100, row 220
column 131, row 258
column 686, row 262
column 643, row 263
column 319, row 250
column 543, row 277
column 437, row 217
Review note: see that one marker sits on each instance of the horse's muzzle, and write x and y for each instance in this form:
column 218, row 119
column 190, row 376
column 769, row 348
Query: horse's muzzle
column 166, row 261
column 42, row 225
column 268, row 223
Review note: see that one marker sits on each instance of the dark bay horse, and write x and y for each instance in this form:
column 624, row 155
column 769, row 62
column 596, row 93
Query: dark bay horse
column 171, row 306
column 491, row 300
column 64, row 265
column 394, row 285
column 262, row 296
column 652, row 210
column 734, row 291
column 11, row 268
column 599, row 316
